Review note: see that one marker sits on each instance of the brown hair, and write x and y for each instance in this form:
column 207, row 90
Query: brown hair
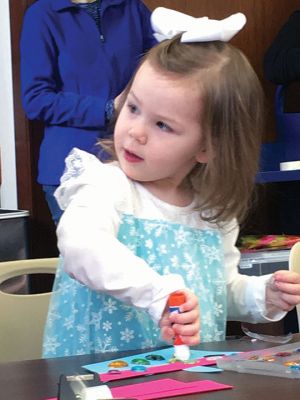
column 231, row 121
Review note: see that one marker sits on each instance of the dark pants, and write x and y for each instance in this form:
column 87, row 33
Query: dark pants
column 55, row 211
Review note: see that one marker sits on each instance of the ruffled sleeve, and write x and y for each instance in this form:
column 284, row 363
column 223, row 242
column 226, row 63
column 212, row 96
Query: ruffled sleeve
column 84, row 170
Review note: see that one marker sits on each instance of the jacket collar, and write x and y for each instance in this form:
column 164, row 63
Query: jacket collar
column 59, row 5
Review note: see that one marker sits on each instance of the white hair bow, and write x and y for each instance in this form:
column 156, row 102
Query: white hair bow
column 167, row 23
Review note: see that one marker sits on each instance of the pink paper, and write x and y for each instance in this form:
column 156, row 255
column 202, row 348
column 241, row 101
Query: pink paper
column 163, row 388
column 159, row 369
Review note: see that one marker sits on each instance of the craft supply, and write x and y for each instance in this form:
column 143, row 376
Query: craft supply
column 140, row 361
column 158, row 369
column 159, row 364
column 283, row 361
column 85, row 387
column 181, row 350
column 163, row 388
column 282, row 339
column 118, row 364
column 114, row 371
column 155, row 357
column 139, row 368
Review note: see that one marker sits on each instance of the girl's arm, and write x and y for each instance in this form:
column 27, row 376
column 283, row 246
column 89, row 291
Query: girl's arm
column 87, row 239
column 246, row 295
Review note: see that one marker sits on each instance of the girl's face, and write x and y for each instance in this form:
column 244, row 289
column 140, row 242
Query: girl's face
column 158, row 138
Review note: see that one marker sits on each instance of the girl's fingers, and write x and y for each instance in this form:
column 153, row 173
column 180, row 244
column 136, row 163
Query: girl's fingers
column 184, row 318
column 290, row 288
column 186, row 324
column 283, row 276
column 284, row 301
column 290, row 300
column 190, row 303
column 191, row 340
column 167, row 334
column 186, row 330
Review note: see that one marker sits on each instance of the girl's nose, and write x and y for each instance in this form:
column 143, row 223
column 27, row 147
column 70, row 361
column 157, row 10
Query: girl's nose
column 139, row 134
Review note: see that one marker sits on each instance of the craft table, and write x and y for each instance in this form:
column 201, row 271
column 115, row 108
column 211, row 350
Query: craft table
column 37, row 379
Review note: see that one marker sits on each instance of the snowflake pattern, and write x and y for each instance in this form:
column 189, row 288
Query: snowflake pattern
column 81, row 321
column 52, row 343
column 110, row 305
column 127, row 335
column 107, row 326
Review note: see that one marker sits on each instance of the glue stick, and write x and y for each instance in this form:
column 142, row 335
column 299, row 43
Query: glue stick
column 181, row 350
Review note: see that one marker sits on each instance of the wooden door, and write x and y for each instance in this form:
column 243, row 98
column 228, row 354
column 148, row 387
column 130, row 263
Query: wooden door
column 28, row 136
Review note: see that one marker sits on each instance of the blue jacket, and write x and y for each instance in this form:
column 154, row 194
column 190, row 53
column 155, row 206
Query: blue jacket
column 69, row 70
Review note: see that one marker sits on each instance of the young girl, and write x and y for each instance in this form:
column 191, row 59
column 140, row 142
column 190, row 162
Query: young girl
column 186, row 146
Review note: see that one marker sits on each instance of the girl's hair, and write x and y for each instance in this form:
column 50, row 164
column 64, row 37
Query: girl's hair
column 230, row 121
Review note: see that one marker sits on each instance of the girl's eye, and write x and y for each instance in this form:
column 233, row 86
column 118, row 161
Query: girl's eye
column 132, row 108
column 163, row 126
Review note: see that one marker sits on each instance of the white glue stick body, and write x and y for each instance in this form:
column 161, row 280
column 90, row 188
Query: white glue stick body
column 181, row 350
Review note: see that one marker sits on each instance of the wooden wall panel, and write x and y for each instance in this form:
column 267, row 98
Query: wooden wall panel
column 264, row 18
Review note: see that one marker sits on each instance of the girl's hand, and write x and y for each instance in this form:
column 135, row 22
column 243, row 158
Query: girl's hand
column 186, row 324
column 283, row 291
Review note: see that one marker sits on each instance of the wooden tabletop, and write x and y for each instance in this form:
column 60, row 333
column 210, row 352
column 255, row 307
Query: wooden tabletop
column 37, row 379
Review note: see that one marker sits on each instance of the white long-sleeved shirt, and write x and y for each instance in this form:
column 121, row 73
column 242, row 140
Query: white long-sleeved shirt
column 95, row 196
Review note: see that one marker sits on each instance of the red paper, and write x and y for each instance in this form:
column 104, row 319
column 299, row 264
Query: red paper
column 159, row 369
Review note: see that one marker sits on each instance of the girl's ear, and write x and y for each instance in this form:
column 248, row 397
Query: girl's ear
column 202, row 156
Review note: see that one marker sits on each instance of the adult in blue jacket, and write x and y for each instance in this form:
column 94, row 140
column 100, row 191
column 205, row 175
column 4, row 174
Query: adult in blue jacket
column 76, row 58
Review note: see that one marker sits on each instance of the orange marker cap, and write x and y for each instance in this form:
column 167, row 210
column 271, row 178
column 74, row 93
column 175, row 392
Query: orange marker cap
column 176, row 299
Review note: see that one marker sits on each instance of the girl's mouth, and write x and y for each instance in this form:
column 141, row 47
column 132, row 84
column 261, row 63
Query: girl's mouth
column 131, row 157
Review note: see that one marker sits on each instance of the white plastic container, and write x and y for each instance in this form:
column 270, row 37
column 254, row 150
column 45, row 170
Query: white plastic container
column 13, row 235
column 264, row 262
column 283, row 361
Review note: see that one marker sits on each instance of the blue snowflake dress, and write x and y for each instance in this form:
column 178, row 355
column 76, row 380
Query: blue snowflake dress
column 170, row 239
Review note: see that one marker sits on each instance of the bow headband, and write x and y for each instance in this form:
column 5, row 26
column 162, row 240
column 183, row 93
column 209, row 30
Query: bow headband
column 167, row 23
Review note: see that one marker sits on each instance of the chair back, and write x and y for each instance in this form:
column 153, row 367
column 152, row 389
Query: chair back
column 23, row 316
